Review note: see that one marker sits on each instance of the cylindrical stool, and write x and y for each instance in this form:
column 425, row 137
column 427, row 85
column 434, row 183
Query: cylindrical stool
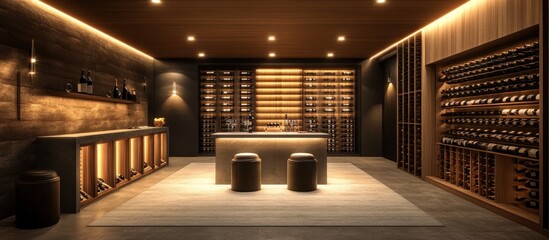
column 37, row 199
column 301, row 172
column 246, row 172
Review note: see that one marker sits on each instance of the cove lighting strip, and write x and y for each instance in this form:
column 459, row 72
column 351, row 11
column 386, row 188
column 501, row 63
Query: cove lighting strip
column 85, row 26
column 447, row 17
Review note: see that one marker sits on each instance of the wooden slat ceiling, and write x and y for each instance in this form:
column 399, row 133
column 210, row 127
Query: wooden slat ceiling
column 239, row 28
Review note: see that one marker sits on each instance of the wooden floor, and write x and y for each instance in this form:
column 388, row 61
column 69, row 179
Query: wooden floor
column 461, row 219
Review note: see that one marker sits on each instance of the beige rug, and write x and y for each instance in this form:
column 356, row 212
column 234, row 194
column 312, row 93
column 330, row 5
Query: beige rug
column 189, row 197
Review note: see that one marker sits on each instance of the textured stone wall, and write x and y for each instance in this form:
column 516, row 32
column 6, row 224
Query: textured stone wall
column 63, row 48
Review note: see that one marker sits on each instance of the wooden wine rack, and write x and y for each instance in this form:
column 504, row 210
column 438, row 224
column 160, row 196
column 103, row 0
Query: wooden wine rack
column 226, row 100
column 409, row 105
column 489, row 129
column 316, row 100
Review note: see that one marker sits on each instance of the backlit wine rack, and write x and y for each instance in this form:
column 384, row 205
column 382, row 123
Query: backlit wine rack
column 489, row 128
column 226, row 101
column 280, row 99
column 329, row 106
column 105, row 161
column 409, row 105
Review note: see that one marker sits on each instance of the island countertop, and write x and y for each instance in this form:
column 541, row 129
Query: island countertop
column 271, row 135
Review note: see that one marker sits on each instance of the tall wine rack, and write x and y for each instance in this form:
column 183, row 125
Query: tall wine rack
column 409, row 105
column 489, row 128
column 280, row 99
column 329, row 106
column 226, row 102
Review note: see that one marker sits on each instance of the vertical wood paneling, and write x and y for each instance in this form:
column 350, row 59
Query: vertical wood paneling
column 63, row 49
column 476, row 23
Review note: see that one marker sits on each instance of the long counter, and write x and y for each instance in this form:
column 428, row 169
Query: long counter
column 274, row 149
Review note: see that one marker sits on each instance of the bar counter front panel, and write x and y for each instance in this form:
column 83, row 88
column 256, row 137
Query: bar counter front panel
column 274, row 149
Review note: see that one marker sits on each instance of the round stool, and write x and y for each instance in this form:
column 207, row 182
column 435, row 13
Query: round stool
column 302, row 172
column 246, row 172
column 37, row 199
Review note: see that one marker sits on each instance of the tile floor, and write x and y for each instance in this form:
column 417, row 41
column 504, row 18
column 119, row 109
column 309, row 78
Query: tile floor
column 462, row 219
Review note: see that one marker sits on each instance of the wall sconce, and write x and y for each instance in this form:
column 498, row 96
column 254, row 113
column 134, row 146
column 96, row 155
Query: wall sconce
column 32, row 65
column 388, row 79
column 173, row 91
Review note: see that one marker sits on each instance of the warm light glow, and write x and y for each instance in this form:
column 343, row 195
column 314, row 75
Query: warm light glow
column 156, row 1
column 380, row 1
column 201, row 54
column 33, row 60
column 330, row 55
column 77, row 22
column 174, row 89
column 445, row 18
column 272, row 54
column 341, row 38
column 271, row 38
column 190, row 38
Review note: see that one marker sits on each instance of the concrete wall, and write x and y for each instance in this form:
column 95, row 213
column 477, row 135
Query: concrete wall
column 63, row 47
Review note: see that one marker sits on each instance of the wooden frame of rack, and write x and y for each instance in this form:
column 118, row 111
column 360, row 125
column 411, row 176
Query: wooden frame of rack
column 409, row 105
column 93, row 164
column 459, row 169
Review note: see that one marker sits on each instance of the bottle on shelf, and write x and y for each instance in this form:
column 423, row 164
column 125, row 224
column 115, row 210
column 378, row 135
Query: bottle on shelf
column 116, row 92
column 83, row 84
column 125, row 91
column 89, row 84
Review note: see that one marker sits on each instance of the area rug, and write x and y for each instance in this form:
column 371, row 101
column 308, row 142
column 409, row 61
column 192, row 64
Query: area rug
column 189, row 197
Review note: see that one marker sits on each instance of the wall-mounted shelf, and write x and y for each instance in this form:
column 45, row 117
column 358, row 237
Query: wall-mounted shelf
column 84, row 96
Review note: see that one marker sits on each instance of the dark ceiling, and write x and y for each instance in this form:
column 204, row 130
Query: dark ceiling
column 239, row 28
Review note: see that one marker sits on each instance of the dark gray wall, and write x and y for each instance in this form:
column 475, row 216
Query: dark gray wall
column 389, row 108
column 62, row 50
column 372, row 108
column 181, row 110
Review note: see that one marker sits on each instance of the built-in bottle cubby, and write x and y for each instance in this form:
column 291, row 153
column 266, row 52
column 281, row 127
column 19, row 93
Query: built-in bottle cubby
column 105, row 161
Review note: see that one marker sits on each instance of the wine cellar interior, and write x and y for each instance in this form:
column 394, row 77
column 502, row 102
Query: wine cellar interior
column 277, row 119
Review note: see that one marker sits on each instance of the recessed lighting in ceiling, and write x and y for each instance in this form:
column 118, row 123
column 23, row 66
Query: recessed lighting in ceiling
column 156, row 1
column 190, row 38
column 341, row 38
column 271, row 38
column 380, row 1
column 330, row 54
column 201, row 54
column 272, row 54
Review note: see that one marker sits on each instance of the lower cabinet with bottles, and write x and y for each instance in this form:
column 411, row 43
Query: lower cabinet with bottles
column 93, row 164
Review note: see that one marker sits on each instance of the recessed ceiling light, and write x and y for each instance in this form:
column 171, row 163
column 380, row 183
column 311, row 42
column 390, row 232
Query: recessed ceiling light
column 380, row 1
column 201, row 54
column 330, row 54
column 156, row 1
column 271, row 38
column 341, row 38
column 190, row 38
column 272, row 54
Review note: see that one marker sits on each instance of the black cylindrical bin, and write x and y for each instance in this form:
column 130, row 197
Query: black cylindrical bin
column 37, row 199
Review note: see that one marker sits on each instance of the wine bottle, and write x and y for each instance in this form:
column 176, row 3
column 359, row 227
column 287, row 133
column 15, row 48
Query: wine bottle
column 116, row 92
column 125, row 91
column 83, row 84
column 89, row 87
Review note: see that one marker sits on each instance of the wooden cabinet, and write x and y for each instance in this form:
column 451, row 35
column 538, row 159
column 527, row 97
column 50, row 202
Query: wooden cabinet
column 488, row 131
column 95, row 163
